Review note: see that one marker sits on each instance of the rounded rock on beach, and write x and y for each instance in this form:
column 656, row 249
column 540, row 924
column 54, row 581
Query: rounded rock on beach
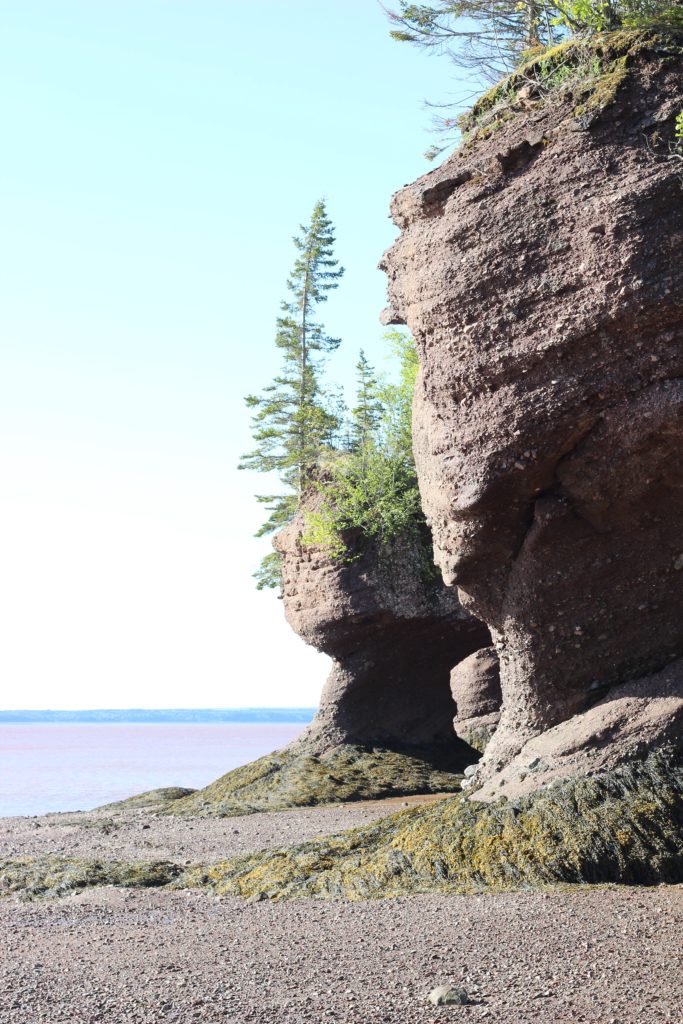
column 447, row 995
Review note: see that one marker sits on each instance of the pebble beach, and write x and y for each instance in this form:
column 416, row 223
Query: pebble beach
column 604, row 955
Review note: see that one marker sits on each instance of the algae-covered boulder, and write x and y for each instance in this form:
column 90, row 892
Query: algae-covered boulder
column 152, row 799
column 622, row 826
column 295, row 777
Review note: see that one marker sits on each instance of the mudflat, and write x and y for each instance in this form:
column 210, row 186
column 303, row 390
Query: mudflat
column 608, row 955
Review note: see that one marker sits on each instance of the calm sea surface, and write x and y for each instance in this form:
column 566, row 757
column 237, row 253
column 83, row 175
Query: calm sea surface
column 55, row 767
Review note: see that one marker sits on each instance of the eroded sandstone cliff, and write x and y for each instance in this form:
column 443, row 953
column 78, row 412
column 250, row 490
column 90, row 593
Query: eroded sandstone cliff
column 394, row 632
column 384, row 726
column 540, row 270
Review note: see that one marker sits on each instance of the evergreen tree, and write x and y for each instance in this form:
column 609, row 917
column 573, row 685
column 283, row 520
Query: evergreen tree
column 373, row 487
column 397, row 404
column 292, row 423
column 491, row 37
column 366, row 415
column 486, row 36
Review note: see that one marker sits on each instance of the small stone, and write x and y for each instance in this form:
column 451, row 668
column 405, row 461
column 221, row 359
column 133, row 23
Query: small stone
column 447, row 995
column 678, row 564
column 470, row 771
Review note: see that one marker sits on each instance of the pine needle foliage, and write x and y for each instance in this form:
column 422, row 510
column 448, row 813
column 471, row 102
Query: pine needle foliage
column 366, row 415
column 292, row 421
column 493, row 38
column 490, row 40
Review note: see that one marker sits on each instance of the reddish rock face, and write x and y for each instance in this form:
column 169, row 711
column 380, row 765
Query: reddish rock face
column 475, row 685
column 394, row 632
column 541, row 274
column 632, row 720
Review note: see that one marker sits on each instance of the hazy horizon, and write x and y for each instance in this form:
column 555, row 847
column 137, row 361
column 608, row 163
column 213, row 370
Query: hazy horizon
column 261, row 713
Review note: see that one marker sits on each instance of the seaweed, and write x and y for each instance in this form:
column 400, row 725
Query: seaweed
column 622, row 827
column 625, row 826
column 296, row 778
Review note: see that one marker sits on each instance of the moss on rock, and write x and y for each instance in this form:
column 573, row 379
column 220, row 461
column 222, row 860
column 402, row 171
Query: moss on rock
column 291, row 778
column 625, row 827
column 478, row 738
column 152, row 798
column 589, row 72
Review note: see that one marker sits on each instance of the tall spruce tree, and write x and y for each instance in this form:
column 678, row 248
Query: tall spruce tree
column 366, row 414
column 292, row 422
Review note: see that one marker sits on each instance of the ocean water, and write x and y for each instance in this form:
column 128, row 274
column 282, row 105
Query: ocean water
column 77, row 766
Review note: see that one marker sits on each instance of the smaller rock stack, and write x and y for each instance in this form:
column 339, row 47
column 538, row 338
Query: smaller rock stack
column 475, row 685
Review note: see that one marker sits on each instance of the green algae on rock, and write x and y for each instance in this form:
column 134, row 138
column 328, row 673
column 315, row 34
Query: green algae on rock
column 293, row 778
column 621, row 827
column 624, row 827
column 55, row 876
column 151, row 799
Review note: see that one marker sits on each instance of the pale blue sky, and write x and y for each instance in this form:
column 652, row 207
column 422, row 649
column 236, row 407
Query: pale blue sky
column 158, row 155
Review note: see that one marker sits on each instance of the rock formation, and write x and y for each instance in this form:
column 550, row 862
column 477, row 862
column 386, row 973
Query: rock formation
column 385, row 725
column 475, row 685
column 394, row 631
column 540, row 270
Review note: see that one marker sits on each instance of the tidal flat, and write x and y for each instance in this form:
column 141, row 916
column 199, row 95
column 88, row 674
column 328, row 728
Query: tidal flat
column 595, row 954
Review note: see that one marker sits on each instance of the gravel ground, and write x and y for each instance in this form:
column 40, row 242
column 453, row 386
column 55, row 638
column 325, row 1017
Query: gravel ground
column 599, row 956
column 603, row 956
column 139, row 835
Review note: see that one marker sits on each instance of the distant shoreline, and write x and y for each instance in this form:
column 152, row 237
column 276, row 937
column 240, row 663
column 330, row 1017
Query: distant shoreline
column 160, row 716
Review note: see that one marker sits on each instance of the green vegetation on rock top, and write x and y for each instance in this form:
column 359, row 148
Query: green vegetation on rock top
column 369, row 483
column 589, row 71
column 361, row 465
column 532, row 43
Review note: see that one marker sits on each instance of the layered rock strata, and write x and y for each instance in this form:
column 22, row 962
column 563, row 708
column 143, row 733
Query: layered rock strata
column 540, row 270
